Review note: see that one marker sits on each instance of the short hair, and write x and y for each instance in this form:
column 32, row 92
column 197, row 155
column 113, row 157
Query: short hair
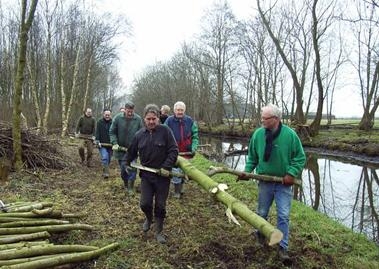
column 107, row 109
column 180, row 104
column 129, row 105
column 151, row 108
column 275, row 110
column 165, row 108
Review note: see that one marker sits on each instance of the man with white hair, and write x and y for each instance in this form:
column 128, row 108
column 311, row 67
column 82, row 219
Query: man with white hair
column 275, row 150
column 186, row 134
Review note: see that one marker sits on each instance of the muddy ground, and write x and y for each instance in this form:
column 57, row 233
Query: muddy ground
column 197, row 230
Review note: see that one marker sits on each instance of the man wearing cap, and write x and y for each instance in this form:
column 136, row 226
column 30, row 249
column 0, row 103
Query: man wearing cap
column 121, row 133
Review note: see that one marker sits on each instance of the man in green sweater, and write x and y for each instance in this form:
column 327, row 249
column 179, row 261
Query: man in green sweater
column 275, row 150
column 123, row 128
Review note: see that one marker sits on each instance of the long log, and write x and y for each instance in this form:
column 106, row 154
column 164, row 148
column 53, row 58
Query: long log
column 42, row 250
column 29, row 207
column 22, row 260
column 63, row 259
column 23, row 244
column 215, row 170
column 233, row 205
column 32, row 222
column 23, row 237
column 48, row 228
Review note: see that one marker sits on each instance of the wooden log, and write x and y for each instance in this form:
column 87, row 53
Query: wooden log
column 29, row 207
column 48, row 228
column 234, row 205
column 64, row 259
column 22, row 260
column 215, row 170
column 42, row 250
column 32, row 222
column 23, row 244
column 23, row 237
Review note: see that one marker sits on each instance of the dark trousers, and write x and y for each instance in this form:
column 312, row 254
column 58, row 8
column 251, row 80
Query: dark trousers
column 154, row 187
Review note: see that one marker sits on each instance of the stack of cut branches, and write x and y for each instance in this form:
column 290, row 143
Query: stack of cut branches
column 24, row 231
column 38, row 151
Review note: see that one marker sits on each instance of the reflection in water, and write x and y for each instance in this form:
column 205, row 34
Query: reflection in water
column 346, row 192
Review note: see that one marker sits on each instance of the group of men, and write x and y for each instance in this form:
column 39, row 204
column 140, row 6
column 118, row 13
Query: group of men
column 158, row 139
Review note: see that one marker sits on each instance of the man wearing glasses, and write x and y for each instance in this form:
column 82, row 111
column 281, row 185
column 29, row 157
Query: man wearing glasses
column 275, row 150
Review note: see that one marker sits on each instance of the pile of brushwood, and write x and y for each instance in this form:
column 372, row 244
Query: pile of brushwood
column 38, row 151
column 25, row 232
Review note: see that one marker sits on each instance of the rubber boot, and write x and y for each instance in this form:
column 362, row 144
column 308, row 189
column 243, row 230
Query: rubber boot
column 131, row 187
column 81, row 154
column 106, row 171
column 159, row 229
column 177, row 188
column 146, row 225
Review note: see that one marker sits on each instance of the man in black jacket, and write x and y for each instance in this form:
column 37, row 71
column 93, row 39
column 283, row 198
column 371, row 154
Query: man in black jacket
column 156, row 147
column 102, row 137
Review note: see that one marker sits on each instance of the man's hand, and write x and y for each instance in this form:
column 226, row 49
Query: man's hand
column 76, row 135
column 93, row 138
column 163, row 172
column 288, row 180
column 115, row 147
column 243, row 176
column 97, row 143
column 193, row 153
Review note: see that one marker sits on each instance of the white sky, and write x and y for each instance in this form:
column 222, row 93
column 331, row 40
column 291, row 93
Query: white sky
column 160, row 27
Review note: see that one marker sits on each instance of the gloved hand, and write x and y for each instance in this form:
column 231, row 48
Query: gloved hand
column 163, row 172
column 115, row 147
column 288, row 180
column 76, row 135
column 243, row 176
column 97, row 143
column 93, row 138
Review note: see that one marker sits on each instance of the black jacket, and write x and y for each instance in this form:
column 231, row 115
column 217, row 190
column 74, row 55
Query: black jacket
column 102, row 130
column 156, row 148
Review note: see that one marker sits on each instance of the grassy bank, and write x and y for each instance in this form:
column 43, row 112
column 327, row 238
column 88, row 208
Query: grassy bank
column 199, row 235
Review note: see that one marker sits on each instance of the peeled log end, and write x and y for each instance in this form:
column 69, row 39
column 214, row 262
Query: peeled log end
column 275, row 237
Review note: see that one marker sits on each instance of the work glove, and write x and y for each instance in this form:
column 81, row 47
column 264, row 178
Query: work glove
column 163, row 172
column 93, row 138
column 288, row 180
column 243, row 176
column 115, row 147
column 97, row 143
column 76, row 135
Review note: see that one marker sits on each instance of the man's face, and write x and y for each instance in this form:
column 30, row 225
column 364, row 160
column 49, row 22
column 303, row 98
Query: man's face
column 107, row 115
column 89, row 112
column 129, row 112
column 151, row 120
column 179, row 112
column 268, row 120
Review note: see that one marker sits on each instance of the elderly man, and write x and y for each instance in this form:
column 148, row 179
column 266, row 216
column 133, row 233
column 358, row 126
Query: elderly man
column 186, row 134
column 275, row 150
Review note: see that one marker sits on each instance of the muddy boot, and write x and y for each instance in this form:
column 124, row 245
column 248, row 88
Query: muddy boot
column 105, row 171
column 130, row 187
column 177, row 188
column 159, row 229
column 81, row 154
column 146, row 225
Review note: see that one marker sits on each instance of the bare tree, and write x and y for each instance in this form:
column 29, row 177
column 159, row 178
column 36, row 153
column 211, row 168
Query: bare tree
column 25, row 24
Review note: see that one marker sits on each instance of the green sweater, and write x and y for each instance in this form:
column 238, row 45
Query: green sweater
column 122, row 131
column 287, row 156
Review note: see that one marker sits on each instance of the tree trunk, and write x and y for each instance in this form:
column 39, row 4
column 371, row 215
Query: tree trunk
column 234, row 205
column 21, row 59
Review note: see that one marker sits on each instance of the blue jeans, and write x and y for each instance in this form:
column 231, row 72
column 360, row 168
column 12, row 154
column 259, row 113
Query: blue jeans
column 131, row 175
column 106, row 155
column 177, row 180
column 282, row 194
